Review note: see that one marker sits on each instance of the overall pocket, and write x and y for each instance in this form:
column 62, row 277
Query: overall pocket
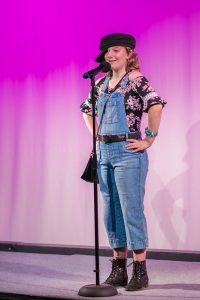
column 113, row 106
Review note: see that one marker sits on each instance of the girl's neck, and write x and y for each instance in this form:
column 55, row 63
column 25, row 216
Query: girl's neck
column 116, row 75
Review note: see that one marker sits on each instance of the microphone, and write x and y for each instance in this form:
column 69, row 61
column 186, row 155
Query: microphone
column 103, row 67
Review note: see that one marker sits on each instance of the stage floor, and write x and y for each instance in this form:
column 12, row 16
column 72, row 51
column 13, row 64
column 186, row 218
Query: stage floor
column 61, row 276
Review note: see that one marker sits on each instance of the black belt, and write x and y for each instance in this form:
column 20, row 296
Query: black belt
column 119, row 137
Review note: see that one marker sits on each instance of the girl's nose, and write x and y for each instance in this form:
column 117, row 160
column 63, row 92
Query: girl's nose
column 109, row 54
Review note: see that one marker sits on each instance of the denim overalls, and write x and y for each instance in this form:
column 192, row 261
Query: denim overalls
column 122, row 176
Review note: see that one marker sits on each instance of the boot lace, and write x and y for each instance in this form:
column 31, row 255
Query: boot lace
column 115, row 269
column 137, row 272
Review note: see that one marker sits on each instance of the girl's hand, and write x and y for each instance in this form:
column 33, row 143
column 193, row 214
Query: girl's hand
column 139, row 145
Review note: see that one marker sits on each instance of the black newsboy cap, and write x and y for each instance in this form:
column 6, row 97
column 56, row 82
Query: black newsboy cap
column 115, row 39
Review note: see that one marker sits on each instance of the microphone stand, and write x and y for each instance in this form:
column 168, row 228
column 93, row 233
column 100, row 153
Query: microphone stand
column 96, row 290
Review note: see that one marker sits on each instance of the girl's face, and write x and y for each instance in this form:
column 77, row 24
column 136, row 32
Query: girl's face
column 117, row 56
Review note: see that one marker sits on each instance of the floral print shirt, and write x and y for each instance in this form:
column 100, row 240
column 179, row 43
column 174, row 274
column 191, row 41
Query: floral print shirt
column 138, row 94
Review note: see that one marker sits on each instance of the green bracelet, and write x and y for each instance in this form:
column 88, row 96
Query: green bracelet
column 150, row 133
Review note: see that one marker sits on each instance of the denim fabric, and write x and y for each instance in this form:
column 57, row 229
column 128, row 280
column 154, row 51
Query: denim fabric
column 122, row 176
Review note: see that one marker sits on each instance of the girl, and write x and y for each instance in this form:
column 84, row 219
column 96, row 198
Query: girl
column 121, row 98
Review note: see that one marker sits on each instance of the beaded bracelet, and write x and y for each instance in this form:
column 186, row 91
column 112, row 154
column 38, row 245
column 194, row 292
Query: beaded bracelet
column 150, row 133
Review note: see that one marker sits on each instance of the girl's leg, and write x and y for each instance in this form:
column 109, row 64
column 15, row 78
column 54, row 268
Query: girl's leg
column 114, row 224
column 119, row 253
column 130, row 175
column 139, row 255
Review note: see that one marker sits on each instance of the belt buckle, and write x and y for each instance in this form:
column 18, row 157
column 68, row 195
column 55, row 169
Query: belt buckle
column 122, row 137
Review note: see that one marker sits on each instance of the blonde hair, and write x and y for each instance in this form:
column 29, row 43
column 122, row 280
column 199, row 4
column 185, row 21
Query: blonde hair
column 133, row 62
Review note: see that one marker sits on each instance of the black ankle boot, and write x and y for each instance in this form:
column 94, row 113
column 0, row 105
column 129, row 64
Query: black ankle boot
column 118, row 275
column 139, row 279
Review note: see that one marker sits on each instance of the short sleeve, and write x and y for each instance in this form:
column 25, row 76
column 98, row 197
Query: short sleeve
column 147, row 93
column 86, row 106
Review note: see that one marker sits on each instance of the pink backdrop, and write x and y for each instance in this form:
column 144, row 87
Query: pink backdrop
column 46, row 46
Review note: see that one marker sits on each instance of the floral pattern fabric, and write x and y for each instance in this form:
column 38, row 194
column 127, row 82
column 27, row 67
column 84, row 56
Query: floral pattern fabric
column 138, row 95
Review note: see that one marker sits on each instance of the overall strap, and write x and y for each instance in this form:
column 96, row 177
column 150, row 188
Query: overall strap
column 105, row 84
column 124, row 80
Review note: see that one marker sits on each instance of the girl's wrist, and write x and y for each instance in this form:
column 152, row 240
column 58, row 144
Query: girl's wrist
column 150, row 133
column 149, row 140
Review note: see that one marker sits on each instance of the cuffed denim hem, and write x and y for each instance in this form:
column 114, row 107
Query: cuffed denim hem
column 137, row 246
column 117, row 244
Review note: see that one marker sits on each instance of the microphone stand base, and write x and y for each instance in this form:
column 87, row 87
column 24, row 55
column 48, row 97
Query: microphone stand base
column 93, row 290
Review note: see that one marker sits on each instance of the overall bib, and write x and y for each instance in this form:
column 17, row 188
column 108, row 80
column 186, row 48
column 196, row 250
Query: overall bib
column 122, row 176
